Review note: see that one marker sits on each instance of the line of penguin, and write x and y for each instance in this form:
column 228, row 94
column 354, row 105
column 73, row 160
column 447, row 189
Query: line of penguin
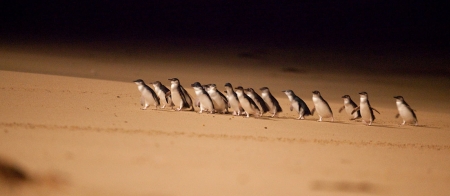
column 247, row 102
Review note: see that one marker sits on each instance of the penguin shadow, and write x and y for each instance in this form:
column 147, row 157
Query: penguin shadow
column 380, row 125
column 268, row 118
column 14, row 179
column 339, row 122
column 361, row 187
column 414, row 126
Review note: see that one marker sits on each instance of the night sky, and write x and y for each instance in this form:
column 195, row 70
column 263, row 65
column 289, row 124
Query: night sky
column 327, row 24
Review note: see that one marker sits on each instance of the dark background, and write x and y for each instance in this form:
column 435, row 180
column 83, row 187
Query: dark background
column 407, row 27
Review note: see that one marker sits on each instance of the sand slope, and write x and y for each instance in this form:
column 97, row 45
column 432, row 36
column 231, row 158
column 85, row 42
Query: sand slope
column 79, row 136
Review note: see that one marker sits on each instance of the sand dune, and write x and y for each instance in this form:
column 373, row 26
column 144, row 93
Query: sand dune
column 73, row 124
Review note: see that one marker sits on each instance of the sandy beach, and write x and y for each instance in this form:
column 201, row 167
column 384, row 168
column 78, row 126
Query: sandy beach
column 71, row 122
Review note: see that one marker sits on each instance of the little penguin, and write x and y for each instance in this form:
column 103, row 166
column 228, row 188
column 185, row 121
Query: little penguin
column 180, row 97
column 405, row 111
column 163, row 93
column 366, row 110
column 148, row 96
column 219, row 99
column 349, row 106
column 321, row 106
column 247, row 103
column 298, row 104
column 274, row 106
column 203, row 99
column 233, row 100
column 262, row 105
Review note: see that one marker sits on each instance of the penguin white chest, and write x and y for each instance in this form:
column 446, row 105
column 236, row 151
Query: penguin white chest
column 365, row 111
column 405, row 112
column 176, row 98
column 321, row 107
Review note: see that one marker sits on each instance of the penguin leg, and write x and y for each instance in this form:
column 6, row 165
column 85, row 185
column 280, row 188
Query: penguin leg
column 404, row 122
column 332, row 119
column 320, row 119
column 146, row 105
column 248, row 115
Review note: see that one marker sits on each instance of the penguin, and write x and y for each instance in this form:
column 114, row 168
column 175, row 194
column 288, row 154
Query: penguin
column 366, row 110
column 247, row 103
column 349, row 106
column 148, row 96
column 405, row 111
column 180, row 97
column 274, row 106
column 298, row 104
column 262, row 105
column 218, row 98
column 163, row 93
column 321, row 106
column 233, row 100
column 203, row 99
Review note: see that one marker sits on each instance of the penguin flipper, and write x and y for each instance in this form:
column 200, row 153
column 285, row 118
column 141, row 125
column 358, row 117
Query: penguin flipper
column 375, row 110
column 397, row 115
column 186, row 96
column 223, row 97
column 342, row 108
column 356, row 109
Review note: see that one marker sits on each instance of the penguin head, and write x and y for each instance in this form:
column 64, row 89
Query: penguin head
column 174, row 81
column 399, row 98
column 157, row 83
column 363, row 95
column 212, row 87
column 206, row 87
column 264, row 89
column 197, row 85
column 239, row 88
column 288, row 92
column 317, row 93
column 139, row 82
column 228, row 87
